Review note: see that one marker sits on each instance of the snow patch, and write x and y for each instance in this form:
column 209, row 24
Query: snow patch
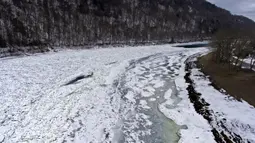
column 144, row 105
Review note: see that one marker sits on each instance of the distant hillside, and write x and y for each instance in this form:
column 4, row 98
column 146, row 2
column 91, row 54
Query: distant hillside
column 82, row 22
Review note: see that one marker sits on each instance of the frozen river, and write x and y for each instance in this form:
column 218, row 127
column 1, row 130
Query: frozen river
column 131, row 94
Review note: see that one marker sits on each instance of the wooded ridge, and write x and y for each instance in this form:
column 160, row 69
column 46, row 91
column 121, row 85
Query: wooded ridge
column 86, row 22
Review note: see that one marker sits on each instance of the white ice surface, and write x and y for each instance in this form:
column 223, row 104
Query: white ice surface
column 35, row 106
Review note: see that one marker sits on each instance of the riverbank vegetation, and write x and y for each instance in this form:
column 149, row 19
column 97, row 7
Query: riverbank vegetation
column 235, row 48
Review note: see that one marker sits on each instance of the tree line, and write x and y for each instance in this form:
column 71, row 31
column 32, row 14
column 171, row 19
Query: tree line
column 81, row 22
column 233, row 46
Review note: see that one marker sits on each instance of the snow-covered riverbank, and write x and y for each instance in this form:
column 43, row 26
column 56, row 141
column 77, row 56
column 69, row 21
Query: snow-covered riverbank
column 231, row 119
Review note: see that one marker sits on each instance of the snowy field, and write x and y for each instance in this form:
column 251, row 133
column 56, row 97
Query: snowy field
column 131, row 94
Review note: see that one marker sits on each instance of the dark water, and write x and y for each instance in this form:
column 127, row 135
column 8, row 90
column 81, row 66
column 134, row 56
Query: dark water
column 193, row 45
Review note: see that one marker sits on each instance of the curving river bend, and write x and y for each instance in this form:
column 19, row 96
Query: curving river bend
column 147, row 84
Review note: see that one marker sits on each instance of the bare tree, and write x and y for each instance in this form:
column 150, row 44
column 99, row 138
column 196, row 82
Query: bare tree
column 223, row 42
column 232, row 46
column 252, row 51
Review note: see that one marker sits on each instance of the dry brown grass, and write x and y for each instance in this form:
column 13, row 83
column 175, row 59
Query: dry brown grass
column 240, row 85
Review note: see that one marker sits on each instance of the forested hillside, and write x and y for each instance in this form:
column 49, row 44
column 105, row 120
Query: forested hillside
column 84, row 22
